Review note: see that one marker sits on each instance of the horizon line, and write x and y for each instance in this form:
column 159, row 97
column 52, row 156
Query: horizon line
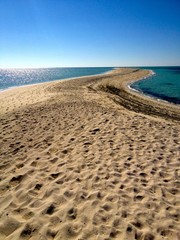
column 124, row 66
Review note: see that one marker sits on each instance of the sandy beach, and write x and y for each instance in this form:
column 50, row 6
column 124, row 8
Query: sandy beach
column 88, row 159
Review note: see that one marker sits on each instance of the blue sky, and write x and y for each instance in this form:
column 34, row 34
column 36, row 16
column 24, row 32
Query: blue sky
column 73, row 33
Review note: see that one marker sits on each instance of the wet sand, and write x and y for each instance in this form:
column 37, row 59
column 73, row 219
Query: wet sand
column 88, row 159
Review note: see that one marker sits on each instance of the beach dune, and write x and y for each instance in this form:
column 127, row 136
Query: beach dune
column 88, row 159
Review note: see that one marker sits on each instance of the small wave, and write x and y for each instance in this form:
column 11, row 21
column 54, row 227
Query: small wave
column 133, row 89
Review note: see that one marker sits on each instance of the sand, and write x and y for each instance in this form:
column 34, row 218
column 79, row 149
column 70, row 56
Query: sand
column 88, row 159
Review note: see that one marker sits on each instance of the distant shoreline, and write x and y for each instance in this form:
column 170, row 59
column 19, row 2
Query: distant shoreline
column 53, row 80
column 152, row 95
column 141, row 102
column 119, row 84
column 73, row 149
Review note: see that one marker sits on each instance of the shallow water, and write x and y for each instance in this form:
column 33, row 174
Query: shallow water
column 164, row 84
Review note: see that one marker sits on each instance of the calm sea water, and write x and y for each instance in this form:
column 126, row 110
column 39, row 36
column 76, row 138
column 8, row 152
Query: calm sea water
column 19, row 77
column 164, row 84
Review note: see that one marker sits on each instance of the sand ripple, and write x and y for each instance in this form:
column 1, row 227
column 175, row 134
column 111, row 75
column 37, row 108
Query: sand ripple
column 75, row 165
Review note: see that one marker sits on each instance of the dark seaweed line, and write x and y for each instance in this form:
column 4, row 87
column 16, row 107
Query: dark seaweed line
column 134, row 104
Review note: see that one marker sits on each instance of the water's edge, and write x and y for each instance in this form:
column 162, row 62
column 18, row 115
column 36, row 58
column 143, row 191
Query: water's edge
column 55, row 80
column 151, row 95
column 148, row 93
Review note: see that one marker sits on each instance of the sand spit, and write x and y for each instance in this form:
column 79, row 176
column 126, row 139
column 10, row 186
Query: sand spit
column 76, row 164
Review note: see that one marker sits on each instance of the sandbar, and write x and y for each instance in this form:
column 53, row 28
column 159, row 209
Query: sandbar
column 88, row 158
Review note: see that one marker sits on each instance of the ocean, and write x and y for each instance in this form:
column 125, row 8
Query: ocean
column 18, row 77
column 164, row 84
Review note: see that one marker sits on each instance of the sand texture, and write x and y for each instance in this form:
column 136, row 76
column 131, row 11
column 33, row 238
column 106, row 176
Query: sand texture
column 86, row 159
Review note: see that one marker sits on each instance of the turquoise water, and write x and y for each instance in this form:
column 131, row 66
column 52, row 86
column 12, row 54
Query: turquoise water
column 19, row 77
column 164, row 84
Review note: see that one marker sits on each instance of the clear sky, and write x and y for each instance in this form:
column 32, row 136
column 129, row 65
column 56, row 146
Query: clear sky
column 73, row 33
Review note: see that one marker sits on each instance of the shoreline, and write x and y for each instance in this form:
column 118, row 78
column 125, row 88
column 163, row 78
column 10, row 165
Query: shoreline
column 83, row 159
column 51, row 81
column 169, row 110
column 148, row 96
column 151, row 96
column 133, row 89
column 140, row 102
column 129, row 97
